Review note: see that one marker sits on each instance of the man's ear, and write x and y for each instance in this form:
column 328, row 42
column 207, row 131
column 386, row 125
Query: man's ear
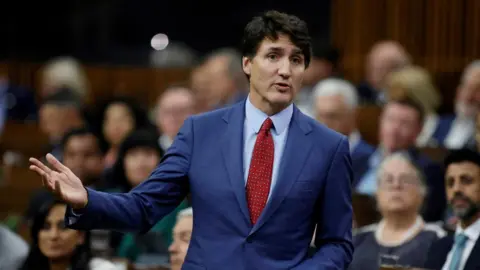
column 246, row 65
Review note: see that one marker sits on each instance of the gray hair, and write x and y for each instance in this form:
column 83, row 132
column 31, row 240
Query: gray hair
column 475, row 65
column 406, row 158
column 187, row 212
column 66, row 71
column 334, row 86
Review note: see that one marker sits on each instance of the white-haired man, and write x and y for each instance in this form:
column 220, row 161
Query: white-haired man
column 335, row 105
column 457, row 131
column 182, row 232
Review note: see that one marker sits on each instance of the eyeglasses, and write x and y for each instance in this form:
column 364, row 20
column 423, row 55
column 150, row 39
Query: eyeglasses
column 388, row 181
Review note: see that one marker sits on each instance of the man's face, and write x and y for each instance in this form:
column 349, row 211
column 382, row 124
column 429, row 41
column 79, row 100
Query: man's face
column 334, row 112
column 399, row 127
column 221, row 84
column 83, row 156
column 276, row 72
column 182, row 232
column 468, row 95
column 462, row 182
column 173, row 108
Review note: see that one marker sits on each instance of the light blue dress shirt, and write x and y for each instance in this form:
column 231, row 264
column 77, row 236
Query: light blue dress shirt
column 254, row 119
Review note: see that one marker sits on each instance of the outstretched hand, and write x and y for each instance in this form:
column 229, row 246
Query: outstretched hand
column 61, row 181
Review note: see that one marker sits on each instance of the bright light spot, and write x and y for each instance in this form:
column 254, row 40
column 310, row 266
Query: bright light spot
column 159, row 42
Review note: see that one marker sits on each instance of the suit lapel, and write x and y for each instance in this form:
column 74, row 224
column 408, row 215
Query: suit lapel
column 473, row 261
column 297, row 149
column 232, row 150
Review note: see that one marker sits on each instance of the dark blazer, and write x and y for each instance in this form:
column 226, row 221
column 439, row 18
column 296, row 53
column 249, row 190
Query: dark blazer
column 438, row 252
column 206, row 158
column 443, row 128
column 360, row 155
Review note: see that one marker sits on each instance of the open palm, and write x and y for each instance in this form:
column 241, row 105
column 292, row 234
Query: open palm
column 61, row 181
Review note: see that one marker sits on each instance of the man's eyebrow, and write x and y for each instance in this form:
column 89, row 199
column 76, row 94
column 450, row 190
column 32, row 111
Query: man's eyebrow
column 280, row 49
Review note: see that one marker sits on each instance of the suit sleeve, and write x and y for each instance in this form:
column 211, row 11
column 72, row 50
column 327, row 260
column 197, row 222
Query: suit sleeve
column 333, row 237
column 149, row 202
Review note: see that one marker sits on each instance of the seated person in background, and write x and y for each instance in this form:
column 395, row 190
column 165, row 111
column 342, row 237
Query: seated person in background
column 416, row 83
column 13, row 249
column 174, row 105
column 182, row 232
column 461, row 250
column 457, row 131
column 119, row 117
column 138, row 156
column 336, row 102
column 59, row 113
column 84, row 155
column 401, row 231
column 400, row 124
column 56, row 247
column 384, row 57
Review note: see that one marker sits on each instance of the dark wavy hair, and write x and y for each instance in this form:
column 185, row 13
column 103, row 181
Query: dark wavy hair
column 271, row 24
column 138, row 114
column 143, row 138
column 36, row 260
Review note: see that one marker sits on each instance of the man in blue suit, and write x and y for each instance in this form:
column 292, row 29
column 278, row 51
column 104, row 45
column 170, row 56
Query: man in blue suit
column 261, row 174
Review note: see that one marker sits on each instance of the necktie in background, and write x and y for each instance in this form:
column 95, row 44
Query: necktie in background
column 459, row 247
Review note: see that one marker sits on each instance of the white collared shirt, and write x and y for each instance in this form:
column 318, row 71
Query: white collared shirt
column 254, row 119
column 354, row 140
column 429, row 126
column 461, row 131
column 472, row 232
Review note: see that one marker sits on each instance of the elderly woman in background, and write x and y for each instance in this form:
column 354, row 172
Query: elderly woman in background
column 401, row 234
column 416, row 83
column 182, row 232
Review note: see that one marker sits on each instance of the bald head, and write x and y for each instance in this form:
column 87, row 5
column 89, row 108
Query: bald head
column 224, row 76
column 173, row 107
column 384, row 57
column 467, row 103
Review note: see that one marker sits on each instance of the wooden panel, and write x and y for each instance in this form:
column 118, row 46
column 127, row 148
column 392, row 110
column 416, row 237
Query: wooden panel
column 368, row 123
column 442, row 36
column 142, row 84
column 25, row 138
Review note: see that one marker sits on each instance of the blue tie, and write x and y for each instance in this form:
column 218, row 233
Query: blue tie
column 459, row 247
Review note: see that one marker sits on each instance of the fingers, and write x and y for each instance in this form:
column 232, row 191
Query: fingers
column 57, row 189
column 40, row 166
column 56, row 164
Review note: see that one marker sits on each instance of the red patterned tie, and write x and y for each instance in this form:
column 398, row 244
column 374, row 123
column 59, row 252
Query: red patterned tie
column 260, row 172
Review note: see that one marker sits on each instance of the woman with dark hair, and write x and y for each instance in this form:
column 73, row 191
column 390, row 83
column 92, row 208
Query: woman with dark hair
column 56, row 247
column 138, row 156
column 119, row 117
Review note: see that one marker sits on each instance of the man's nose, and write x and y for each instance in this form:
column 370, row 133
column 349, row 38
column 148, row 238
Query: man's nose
column 285, row 69
column 172, row 248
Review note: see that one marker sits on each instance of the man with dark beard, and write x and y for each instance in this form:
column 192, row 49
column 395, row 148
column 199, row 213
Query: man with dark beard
column 460, row 251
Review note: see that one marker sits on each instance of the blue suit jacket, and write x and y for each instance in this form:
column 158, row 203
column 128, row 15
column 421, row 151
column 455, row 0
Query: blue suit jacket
column 313, row 188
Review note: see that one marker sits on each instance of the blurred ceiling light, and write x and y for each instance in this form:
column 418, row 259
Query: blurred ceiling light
column 159, row 42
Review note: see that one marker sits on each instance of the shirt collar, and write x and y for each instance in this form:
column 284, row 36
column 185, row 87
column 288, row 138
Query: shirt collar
column 472, row 231
column 256, row 117
column 354, row 139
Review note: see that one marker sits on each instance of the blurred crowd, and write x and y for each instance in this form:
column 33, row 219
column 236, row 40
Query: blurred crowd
column 113, row 146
